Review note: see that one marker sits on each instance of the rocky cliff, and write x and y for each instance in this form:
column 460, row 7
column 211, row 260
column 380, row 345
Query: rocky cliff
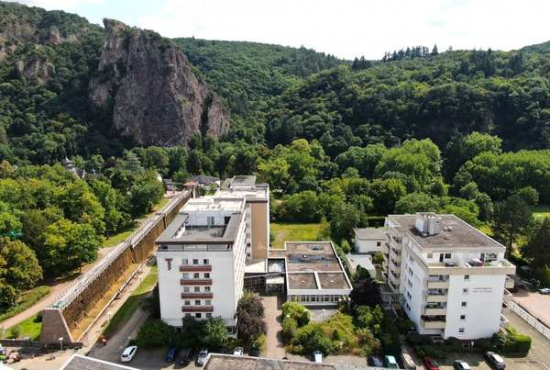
column 154, row 96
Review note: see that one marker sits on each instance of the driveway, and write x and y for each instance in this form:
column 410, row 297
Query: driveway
column 273, row 319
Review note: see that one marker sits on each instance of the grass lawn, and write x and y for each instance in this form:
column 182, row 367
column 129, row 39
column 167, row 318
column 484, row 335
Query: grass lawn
column 541, row 211
column 121, row 236
column 28, row 328
column 132, row 303
column 25, row 300
column 297, row 232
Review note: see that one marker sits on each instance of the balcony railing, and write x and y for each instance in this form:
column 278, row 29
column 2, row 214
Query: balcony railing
column 434, row 310
column 510, row 283
column 433, row 322
column 193, row 268
column 437, row 284
column 197, row 308
column 196, row 281
column 197, row 295
column 436, row 296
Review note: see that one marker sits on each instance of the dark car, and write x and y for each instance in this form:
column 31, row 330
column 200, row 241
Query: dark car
column 171, row 354
column 495, row 360
column 185, row 356
column 254, row 352
column 375, row 361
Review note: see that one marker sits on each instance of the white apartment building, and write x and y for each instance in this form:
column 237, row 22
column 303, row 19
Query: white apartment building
column 452, row 277
column 202, row 254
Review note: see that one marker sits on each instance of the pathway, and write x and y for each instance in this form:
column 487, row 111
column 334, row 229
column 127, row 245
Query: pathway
column 273, row 319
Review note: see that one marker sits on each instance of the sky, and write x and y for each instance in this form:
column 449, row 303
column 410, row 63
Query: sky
column 345, row 28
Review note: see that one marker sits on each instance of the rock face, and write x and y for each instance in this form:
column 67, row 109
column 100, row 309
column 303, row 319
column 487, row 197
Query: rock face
column 154, row 96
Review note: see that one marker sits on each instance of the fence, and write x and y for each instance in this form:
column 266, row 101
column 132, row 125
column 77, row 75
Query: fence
column 530, row 319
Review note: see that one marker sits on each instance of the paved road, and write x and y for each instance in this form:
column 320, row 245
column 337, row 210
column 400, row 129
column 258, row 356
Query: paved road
column 56, row 289
column 273, row 319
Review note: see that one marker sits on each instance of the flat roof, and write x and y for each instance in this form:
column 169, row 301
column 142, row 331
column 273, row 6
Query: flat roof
column 228, row 362
column 79, row 362
column 312, row 265
column 370, row 233
column 455, row 233
column 178, row 232
column 244, row 186
column 211, row 203
column 243, row 180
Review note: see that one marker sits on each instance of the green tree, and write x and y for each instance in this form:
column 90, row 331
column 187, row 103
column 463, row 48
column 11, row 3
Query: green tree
column 146, row 191
column 344, row 218
column 511, row 219
column 215, row 334
column 536, row 248
column 386, row 193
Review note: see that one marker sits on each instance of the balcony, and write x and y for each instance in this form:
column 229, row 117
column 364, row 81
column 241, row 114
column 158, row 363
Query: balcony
column 472, row 267
column 438, row 282
column 510, row 283
column 196, row 281
column 195, row 268
column 197, row 295
column 436, row 296
column 434, row 310
column 435, row 322
column 197, row 308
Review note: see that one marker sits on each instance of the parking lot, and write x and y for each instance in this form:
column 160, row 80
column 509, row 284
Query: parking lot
column 535, row 303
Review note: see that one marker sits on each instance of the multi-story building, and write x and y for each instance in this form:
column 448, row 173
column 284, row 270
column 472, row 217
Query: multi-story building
column 452, row 277
column 202, row 254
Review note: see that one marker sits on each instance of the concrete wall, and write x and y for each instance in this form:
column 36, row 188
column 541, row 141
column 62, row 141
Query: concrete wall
column 368, row 246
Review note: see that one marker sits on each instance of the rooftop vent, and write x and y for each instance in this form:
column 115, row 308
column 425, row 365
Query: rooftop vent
column 428, row 223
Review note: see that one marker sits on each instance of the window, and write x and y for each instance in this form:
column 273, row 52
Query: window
column 208, row 302
column 197, row 289
column 187, row 303
column 210, row 220
column 196, row 275
column 209, row 315
column 185, row 275
column 185, row 261
column 378, row 244
column 207, row 289
column 188, row 315
column 197, row 302
column 462, row 317
column 207, row 275
column 465, row 291
column 430, row 255
column 464, row 304
column 195, row 262
column 206, row 261
column 186, row 289
column 466, row 277
column 447, row 255
column 198, row 315
column 461, row 330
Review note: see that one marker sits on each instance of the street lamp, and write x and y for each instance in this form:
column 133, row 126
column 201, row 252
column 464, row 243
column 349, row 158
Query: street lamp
column 61, row 343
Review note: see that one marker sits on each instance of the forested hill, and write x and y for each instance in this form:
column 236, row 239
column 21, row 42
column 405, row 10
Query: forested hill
column 439, row 97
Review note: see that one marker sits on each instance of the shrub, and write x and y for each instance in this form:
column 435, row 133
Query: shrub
column 431, row 351
column 313, row 338
column 404, row 325
column 511, row 341
column 298, row 312
column 289, row 329
column 260, row 343
column 415, row 339
column 15, row 332
column 154, row 333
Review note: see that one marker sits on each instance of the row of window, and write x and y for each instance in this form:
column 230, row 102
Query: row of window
column 196, row 275
column 198, row 302
column 196, row 289
column 195, row 261
column 317, row 298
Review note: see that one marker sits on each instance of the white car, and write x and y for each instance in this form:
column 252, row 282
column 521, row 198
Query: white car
column 238, row 351
column 318, row 357
column 201, row 358
column 128, row 354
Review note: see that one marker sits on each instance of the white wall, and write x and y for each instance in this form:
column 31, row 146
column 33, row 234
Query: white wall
column 484, row 306
column 368, row 246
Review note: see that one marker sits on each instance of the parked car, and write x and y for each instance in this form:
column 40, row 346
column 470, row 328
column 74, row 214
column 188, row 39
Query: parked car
column 544, row 291
column 171, row 354
column 238, row 351
column 201, row 358
column 128, row 354
column 254, row 351
column 185, row 356
column 375, row 361
column 391, row 362
column 318, row 357
column 430, row 363
column 461, row 365
column 495, row 360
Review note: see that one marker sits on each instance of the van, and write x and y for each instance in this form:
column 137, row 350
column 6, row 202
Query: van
column 391, row 362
